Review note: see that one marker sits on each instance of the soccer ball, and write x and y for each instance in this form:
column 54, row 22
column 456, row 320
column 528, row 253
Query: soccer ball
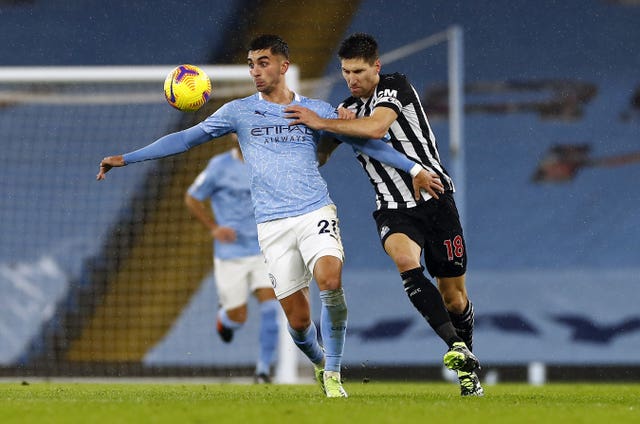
column 187, row 88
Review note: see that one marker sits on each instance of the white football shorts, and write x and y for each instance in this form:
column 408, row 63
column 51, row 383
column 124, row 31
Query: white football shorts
column 237, row 278
column 292, row 246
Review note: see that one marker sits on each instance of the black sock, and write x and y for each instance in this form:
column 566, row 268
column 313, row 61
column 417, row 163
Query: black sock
column 426, row 298
column 464, row 324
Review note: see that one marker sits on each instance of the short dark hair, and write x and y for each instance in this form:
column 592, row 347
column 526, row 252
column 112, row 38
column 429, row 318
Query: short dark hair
column 359, row 46
column 272, row 42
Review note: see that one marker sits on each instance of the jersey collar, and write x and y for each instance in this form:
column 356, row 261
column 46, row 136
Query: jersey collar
column 296, row 96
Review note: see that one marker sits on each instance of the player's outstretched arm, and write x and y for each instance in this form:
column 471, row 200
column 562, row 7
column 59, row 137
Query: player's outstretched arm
column 107, row 163
column 374, row 126
column 168, row 145
column 365, row 135
column 382, row 152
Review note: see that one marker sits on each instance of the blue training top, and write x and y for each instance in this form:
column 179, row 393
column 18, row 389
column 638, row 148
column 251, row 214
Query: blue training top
column 225, row 182
column 283, row 168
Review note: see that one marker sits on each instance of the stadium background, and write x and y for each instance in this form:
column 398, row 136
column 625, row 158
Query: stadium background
column 114, row 278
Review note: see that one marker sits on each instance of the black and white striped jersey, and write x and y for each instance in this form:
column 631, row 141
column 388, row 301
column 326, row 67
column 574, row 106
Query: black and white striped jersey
column 410, row 134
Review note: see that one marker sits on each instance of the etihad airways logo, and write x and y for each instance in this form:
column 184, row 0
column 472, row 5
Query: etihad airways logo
column 282, row 133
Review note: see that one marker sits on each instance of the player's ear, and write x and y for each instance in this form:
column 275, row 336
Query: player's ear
column 377, row 65
column 284, row 67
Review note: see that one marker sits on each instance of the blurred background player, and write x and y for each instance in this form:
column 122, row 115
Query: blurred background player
column 388, row 105
column 239, row 267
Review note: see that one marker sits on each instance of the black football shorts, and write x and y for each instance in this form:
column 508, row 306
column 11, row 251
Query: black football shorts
column 435, row 226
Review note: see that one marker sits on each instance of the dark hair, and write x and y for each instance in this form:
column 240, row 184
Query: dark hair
column 272, row 42
column 359, row 46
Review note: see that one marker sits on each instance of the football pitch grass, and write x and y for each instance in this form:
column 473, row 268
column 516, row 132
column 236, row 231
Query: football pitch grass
column 376, row 402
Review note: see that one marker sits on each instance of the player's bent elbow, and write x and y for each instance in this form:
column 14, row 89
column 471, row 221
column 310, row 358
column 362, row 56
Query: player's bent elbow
column 188, row 199
column 377, row 132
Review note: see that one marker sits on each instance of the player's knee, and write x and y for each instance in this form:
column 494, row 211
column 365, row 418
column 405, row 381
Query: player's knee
column 264, row 294
column 405, row 262
column 455, row 302
column 238, row 314
column 299, row 323
column 327, row 272
column 330, row 282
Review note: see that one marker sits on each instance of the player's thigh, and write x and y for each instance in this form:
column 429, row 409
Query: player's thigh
column 232, row 282
column 445, row 250
column 401, row 236
column 319, row 235
column 404, row 251
column 264, row 294
column 287, row 270
column 399, row 221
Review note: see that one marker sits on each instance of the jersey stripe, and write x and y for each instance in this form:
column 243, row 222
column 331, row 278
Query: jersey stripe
column 410, row 134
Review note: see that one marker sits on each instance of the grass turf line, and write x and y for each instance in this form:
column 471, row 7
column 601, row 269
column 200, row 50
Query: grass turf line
column 378, row 402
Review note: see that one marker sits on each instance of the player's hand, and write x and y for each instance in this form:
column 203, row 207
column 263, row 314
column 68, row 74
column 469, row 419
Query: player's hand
column 224, row 234
column 107, row 163
column 302, row 115
column 428, row 181
column 344, row 113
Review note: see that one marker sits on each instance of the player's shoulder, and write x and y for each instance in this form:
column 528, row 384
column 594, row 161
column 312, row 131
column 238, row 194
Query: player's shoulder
column 349, row 102
column 395, row 79
column 242, row 101
column 322, row 108
column 219, row 160
column 312, row 103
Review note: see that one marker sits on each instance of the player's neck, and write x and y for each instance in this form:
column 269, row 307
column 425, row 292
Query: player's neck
column 281, row 96
column 368, row 95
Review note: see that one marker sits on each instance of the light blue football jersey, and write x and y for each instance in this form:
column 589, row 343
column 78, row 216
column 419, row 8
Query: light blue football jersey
column 283, row 168
column 225, row 182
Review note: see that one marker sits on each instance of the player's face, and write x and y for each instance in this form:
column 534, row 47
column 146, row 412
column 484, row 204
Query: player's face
column 361, row 76
column 266, row 69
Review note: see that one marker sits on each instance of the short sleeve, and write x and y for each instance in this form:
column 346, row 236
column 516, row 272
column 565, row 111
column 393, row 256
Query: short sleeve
column 204, row 185
column 394, row 91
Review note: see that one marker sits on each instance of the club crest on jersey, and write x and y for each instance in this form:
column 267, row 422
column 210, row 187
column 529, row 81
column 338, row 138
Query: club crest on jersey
column 384, row 231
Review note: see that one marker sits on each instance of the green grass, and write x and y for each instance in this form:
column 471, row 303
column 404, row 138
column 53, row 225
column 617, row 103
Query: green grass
column 378, row 402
